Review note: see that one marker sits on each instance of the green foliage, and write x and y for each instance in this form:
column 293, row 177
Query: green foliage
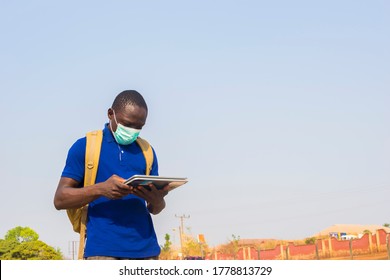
column 32, row 250
column 21, row 234
column 21, row 243
column 235, row 238
column 167, row 244
column 7, row 246
column 310, row 240
column 386, row 225
column 191, row 247
column 166, row 248
column 235, row 241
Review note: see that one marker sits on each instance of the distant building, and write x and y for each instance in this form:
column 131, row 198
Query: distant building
column 349, row 231
column 348, row 237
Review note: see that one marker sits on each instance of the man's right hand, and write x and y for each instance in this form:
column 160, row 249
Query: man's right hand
column 113, row 188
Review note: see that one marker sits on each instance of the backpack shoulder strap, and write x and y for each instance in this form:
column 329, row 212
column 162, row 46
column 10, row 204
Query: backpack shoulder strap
column 92, row 155
column 148, row 154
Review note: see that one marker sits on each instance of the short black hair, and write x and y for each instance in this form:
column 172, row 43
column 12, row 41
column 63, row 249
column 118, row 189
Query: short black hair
column 128, row 97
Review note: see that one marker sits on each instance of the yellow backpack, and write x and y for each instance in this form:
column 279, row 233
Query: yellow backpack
column 78, row 216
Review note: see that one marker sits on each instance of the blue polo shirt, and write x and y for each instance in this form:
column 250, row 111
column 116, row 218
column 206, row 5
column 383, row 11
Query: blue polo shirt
column 116, row 228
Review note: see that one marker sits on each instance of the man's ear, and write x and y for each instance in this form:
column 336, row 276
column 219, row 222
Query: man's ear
column 110, row 113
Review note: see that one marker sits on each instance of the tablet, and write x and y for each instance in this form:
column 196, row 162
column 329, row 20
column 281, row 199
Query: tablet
column 159, row 181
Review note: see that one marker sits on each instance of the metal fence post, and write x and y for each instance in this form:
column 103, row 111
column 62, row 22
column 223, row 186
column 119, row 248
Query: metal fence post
column 287, row 252
column 350, row 249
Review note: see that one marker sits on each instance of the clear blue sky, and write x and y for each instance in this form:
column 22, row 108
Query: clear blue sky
column 276, row 111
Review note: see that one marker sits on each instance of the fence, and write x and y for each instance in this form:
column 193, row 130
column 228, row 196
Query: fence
column 322, row 249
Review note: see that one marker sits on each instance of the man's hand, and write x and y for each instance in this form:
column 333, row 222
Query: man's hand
column 154, row 197
column 113, row 188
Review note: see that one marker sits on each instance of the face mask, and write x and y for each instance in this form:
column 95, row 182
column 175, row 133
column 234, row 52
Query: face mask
column 124, row 135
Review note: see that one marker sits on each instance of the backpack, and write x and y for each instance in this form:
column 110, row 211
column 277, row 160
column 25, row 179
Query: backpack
column 78, row 216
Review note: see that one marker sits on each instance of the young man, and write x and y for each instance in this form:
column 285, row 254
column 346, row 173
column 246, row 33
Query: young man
column 119, row 225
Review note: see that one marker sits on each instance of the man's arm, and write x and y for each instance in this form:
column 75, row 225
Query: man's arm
column 69, row 195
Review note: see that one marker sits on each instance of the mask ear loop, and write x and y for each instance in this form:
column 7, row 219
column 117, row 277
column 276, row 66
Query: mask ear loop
column 113, row 134
column 114, row 116
column 112, row 131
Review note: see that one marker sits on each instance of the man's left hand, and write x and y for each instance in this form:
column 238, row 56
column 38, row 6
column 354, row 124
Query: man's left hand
column 154, row 197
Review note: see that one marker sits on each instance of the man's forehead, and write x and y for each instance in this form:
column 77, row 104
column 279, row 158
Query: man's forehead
column 132, row 110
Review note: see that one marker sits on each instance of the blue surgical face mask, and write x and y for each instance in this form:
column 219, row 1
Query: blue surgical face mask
column 124, row 135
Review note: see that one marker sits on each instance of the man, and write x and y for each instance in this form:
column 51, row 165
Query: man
column 119, row 225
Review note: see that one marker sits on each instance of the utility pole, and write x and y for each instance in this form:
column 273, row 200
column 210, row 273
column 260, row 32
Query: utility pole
column 72, row 245
column 181, row 230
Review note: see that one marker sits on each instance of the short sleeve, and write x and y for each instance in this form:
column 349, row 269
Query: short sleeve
column 154, row 170
column 74, row 166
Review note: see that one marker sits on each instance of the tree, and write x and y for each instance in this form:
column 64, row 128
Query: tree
column 235, row 242
column 166, row 248
column 232, row 247
column 21, row 234
column 310, row 240
column 32, row 250
column 191, row 247
column 21, row 243
column 386, row 225
column 194, row 248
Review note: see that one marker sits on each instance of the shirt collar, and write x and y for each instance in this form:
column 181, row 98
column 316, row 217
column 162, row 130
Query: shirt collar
column 107, row 134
